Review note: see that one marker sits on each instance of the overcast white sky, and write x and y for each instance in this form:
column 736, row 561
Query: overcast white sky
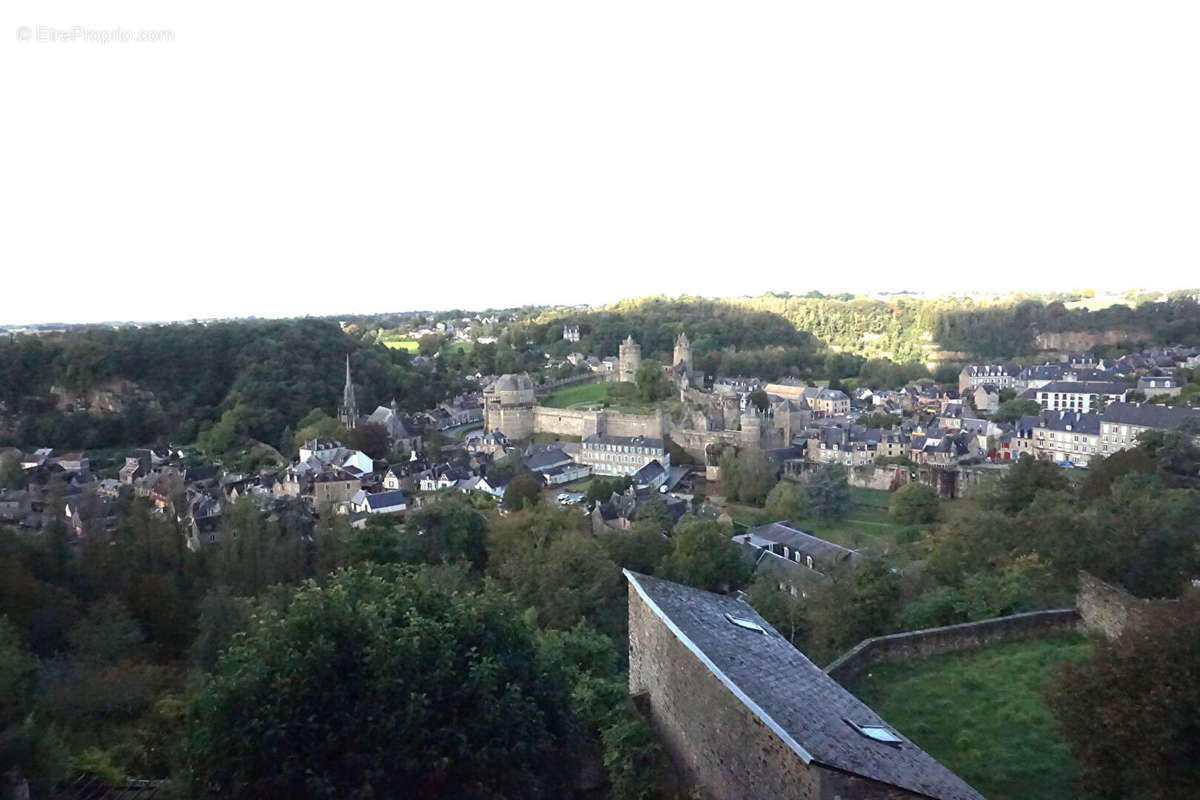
column 302, row 158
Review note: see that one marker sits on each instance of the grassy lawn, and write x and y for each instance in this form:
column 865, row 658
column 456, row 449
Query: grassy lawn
column 584, row 394
column 981, row 714
column 867, row 523
column 411, row 345
column 876, row 498
column 617, row 396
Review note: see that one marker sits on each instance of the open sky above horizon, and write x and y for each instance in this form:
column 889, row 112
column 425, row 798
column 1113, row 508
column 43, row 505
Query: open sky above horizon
column 280, row 159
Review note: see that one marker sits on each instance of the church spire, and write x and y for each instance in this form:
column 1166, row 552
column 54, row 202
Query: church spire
column 349, row 410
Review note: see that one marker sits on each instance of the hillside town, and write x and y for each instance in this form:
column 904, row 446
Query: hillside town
column 812, row 511
column 1071, row 412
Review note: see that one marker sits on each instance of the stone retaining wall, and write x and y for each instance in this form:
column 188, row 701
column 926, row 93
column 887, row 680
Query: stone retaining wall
column 950, row 639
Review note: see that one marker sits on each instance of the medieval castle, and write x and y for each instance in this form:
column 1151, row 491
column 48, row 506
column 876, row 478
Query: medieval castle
column 709, row 420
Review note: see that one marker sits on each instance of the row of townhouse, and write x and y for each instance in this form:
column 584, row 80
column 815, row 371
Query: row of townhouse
column 854, row 446
column 1085, row 368
column 1075, row 437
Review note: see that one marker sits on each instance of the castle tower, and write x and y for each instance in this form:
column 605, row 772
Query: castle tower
column 752, row 427
column 628, row 360
column 348, row 410
column 683, row 353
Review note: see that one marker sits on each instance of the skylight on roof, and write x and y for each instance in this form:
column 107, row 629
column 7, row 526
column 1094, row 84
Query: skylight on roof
column 876, row 732
column 749, row 625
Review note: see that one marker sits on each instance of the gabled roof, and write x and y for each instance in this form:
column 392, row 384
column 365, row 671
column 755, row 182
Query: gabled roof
column 1148, row 415
column 1085, row 387
column 546, row 459
column 796, row 539
column 649, row 473
column 385, row 500
column 808, row 710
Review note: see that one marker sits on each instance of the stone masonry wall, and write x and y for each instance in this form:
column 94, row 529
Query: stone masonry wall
column 713, row 739
column 952, row 638
column 1109, row 609
column 613, row 423
column 575, row 422
column 564, row 421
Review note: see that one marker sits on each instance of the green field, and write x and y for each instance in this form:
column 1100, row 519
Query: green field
column 982, row 715
column 585, row 394
column 412, row 345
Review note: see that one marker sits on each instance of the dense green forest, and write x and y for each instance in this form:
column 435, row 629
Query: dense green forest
column 228, row 382
column 904, row 330
column 907, row 328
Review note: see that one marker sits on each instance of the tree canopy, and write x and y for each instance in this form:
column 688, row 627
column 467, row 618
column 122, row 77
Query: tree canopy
column 382, row 682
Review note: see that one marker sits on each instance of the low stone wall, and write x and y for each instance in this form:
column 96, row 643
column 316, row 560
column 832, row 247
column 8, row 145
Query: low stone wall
column 950, row 639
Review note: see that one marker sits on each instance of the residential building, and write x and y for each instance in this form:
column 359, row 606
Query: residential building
column 652, row 476
column 334, row 486
column 1002, row 376
column 390, row 502
column 1064, row 437
column 1159, row 385
column 827, row 402
column 622, row 455
column 571, row 333
column 781, row 540
column 986, row 398
column 1122, row 423
column 1080, row 396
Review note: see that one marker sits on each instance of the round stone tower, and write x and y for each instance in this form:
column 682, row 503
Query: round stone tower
column 752, row 427
column 628, row 360
column 508, row 406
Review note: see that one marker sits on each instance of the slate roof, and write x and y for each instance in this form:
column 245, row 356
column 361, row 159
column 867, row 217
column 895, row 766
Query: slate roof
column 649, row 473
column 1071, row 421
column 629, row 441
column 806, row 708
column 1082, row 387
column 1148, row 415
column 1158, row 382
column 991, row 370
column 546, row 459
column 386, row 499
column 796, row 539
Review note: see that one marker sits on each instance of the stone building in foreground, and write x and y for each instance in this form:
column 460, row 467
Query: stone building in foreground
column 743, row 714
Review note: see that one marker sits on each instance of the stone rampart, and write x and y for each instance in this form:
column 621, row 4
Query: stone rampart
column 952, row 638
column 565, row 421
column 576, row 422
column 613, row 423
